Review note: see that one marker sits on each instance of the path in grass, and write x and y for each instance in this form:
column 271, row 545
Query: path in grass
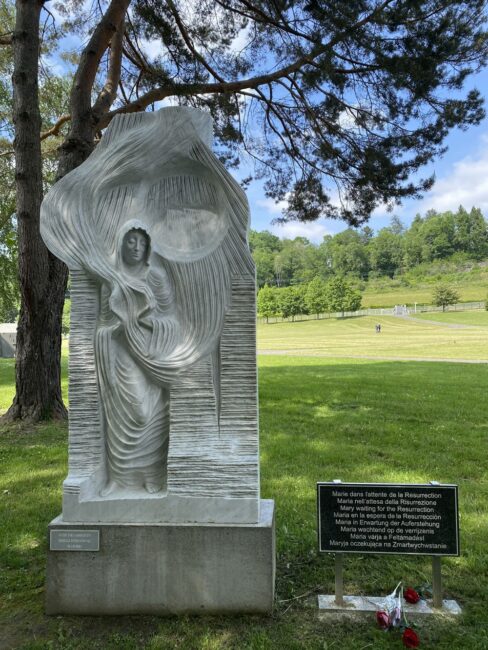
column 399, row 339
column 430, row 321
column 365, row 357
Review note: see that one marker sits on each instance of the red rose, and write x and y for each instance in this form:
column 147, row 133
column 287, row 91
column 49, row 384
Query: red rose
column 410, row 638
column 383, row 620
column 411, row 596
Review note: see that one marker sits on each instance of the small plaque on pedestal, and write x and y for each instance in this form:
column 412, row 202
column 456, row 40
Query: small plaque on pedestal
column 74, row 540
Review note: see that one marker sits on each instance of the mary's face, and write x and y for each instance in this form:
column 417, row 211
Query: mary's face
column 134, row 247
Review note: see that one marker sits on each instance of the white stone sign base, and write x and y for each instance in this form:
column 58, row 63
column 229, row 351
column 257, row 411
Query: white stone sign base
column 374, row 603
column 163, row 569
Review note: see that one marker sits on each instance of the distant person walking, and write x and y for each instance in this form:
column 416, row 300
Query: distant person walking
column 378, row 328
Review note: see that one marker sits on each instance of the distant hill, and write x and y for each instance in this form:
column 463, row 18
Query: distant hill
column 468, row 278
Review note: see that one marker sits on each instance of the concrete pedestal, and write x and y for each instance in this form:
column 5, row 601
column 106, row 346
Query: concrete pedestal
column 163, row 569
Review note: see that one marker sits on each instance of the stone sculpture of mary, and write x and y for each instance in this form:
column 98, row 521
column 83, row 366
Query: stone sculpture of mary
column 136, row 405
column 154, row 231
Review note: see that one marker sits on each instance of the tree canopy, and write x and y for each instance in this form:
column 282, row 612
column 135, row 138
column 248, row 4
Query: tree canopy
column 339, row 100
column 315, row 297
column 338, row 104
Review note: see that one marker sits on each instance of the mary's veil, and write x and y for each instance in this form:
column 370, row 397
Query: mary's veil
column 159, row 170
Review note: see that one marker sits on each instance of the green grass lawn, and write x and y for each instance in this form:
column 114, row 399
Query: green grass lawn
column 357, row 337
column 321, row 419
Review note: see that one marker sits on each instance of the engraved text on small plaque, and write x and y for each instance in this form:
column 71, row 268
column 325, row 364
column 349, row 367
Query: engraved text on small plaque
column 74, row 540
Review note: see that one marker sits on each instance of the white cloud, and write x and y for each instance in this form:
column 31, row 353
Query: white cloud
column 151, row 48
column 347, row 119
column 271, row 206
column 314, row 231
column 466, row 184
column 241, row 40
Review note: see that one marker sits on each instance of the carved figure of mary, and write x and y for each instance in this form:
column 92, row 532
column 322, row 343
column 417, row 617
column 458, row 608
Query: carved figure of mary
column 136, row 406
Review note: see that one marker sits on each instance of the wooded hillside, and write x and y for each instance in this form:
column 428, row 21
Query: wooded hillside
column 362, row 254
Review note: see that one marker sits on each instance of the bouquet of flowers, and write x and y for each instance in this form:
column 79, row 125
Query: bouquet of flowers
column 391, row 614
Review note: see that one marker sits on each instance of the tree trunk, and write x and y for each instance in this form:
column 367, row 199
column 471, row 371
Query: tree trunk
column 42, row 277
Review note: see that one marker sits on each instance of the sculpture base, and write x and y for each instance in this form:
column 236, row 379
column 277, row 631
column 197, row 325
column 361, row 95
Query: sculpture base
column 82, row 502
column 164, row 569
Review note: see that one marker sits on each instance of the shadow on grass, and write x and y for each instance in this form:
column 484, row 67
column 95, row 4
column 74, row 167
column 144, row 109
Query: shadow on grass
column 320, row 420
column 376, row 422
column 355, row 420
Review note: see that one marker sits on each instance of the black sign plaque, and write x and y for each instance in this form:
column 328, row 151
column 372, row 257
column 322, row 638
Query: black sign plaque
column 388, row 518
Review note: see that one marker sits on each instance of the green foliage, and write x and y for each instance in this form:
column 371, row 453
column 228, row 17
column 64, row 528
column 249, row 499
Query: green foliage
column 267, row 302
column 444, row 295
column 347, row 253
column 264, row 240
column 293, row 261
column 65, row 325
column 316, row 296
column 291, row 301
column 386, row 252
column 342, row 296
column 9, row 290
column 394, row 252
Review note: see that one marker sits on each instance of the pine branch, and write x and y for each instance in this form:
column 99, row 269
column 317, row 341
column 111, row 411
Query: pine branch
column 186, row 37
column 54, row 130
column 109, row 91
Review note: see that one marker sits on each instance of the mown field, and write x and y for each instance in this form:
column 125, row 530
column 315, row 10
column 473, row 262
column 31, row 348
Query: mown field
column 399, row 337
column 321, row 419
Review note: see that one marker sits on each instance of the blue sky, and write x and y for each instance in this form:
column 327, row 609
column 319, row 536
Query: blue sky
column 461, row 178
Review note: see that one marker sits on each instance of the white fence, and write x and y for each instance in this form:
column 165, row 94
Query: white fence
column 462, row 306
column 399, row 310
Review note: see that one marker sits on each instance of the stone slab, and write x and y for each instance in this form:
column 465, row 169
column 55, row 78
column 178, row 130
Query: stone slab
column 124, row 506
column 373, row 603
column 164, row 569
